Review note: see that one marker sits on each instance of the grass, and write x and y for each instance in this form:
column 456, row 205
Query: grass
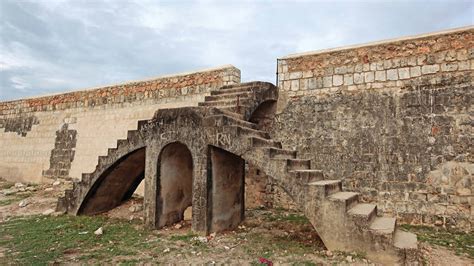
column 14, row 198
column 281, row 215
column 40, row 240
column 5, row 184
column 461, row 243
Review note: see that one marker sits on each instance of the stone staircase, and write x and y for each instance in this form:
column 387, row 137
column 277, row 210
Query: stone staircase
column 341, row 220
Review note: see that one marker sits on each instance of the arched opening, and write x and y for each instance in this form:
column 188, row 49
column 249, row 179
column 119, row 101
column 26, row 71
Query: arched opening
column 264, row 114
column 227, row 206
column 175, row 183
column 116, row 184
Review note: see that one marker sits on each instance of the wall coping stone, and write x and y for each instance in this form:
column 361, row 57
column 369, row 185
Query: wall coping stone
column 377, row 43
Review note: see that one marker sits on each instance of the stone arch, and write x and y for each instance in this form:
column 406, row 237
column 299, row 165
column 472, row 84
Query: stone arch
column 174, row 183
column 116, row 184
column 264, row 113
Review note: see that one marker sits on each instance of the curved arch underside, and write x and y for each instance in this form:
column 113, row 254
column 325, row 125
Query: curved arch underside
column 116, row 184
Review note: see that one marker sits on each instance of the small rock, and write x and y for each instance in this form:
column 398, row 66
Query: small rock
column 201, row 239
column 349, row 259
column 23, row 203
column 57, row 183
column 48, row 212
column 19, row 185
column 329, row 253
column 213, row 235
column 135, row 208
column 439, row 222
column 226, row 247
column 99, row 231
column 48, row 189
column 188, row 214
column 241, row 226
column 31, row 188
column 178, row 226
column 10, row 191
column 166, row 250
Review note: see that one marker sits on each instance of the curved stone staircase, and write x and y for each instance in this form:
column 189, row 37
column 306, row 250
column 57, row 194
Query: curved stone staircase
column 342, row 222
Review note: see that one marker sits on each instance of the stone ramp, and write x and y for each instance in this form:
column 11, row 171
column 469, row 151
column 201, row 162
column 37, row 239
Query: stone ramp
column 341, row 220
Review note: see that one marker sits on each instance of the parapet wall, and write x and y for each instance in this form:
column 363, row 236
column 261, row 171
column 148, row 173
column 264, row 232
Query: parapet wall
column 391, row 118
column 61, row 136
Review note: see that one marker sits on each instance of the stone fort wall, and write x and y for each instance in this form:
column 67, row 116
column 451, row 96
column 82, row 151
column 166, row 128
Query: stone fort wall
column 61, row 136
column 394, row 119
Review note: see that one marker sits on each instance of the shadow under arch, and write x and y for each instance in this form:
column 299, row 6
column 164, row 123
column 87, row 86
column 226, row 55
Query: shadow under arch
column 116, row 184
column 174, row 183
column 264, row 114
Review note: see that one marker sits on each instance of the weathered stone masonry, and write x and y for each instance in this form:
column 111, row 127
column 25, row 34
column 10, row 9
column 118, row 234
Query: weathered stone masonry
column 32, row 146
column 394, row 119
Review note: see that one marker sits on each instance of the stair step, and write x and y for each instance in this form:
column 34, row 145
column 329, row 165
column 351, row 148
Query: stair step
column 131, row 134
column 349, row 198
column 250, row 84
column 251, row 132
column 365, row 210
column 232, row 90
column 383, row 225
column 235, row 109
column 327, row 187
column 227, row 102
column 276, row 153
column 225, row 120
column 363, row 214
column 405, row 240
column 258, row 142
column 232, row 114
column 122, row 142
column 232, row 95
column 298, row 164
column 308, row 175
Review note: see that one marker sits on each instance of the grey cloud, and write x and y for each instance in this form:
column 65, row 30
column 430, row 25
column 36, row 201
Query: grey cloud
column 49, row 46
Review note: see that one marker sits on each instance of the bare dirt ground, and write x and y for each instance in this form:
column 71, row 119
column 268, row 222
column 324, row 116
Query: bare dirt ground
column 267, row 236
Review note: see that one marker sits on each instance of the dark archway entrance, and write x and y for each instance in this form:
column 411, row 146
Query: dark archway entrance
column 175, row 183
column 116, row 184
column 227, row 190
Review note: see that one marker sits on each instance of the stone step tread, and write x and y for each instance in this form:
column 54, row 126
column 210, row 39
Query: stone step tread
column 232, row 114
column 405, row 240
column 235, row 120
column 362, row 209
column 260, row 133
column 325, row 182
column 232, row 100
column 343, row 196
column 307, row 171
column 384, row 225
column 252, row 84
column 230, row 94
column 232, row 90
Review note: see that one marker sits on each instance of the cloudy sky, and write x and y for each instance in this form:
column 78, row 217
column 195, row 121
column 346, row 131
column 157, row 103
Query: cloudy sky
column 49, row 46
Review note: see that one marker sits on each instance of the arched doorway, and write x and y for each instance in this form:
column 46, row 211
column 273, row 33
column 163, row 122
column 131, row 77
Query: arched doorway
column 175, row 183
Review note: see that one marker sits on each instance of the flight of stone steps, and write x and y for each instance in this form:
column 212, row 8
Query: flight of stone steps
column 342, row 222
